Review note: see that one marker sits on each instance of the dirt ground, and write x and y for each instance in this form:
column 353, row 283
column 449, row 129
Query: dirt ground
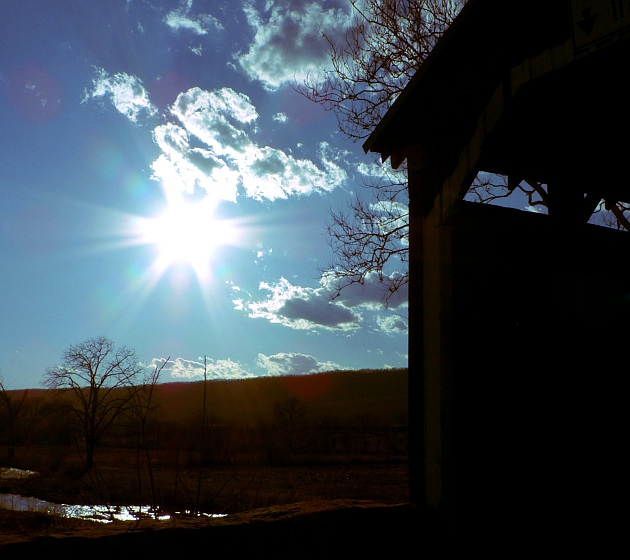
column 222, row 489
column 293, row 502
column 298, row 511
column 333, row 529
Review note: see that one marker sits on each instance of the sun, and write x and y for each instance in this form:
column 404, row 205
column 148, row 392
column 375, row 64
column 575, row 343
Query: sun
column 187, row 233
column 184, row 232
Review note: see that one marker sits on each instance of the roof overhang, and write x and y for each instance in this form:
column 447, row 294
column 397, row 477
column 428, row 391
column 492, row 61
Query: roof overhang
column 510, row 90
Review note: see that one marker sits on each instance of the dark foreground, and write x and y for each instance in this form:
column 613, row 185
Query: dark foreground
column 341, row 528
column 301, row 530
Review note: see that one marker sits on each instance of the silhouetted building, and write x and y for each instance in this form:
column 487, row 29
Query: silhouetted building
column 519, row 322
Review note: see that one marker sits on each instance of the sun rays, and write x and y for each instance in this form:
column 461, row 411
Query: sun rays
column 189, row 234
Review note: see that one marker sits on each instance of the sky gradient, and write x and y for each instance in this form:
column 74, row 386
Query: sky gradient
column 164, row 185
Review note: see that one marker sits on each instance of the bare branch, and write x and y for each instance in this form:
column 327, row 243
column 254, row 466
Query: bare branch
column 386, row 44
column 381, row 50
column 102, row 380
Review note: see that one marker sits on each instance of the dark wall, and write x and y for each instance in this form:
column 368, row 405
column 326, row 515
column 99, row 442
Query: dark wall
column 541, row 322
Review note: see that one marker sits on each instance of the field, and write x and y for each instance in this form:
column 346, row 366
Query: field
column 338, row 437
column 213, row 489
column 222, row 489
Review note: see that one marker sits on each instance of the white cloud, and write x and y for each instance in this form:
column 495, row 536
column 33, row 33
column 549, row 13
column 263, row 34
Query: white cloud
column 394, row 211
column 185, row 168
column 392, row 324
column 213, row 147
column 280, row 117
column 392, row 219
column 181, row 368
column 283, row 363
column 301, row 308
column 270, row 173
column 126, row 93
column 382, row 171
column 288, row 44
column 329, row 156
column 313, row 308
column 230, row 161
column 181, row 19
column 293, row 364
column 368, row 293
column 217, row 118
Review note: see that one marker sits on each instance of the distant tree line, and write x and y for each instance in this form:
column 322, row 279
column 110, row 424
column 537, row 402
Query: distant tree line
column 98, row 399
column 288, row 435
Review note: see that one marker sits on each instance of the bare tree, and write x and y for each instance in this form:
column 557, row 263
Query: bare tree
column 12, row 408
column 203, row 429
column 371, row 237
column 291, row 417
column 386, row 44
column 487, row 189
column 143, row 406
column 101, row 381
column 613, row 214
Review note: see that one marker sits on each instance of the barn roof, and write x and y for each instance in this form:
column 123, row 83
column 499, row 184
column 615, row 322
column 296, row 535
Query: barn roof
column 530, row 89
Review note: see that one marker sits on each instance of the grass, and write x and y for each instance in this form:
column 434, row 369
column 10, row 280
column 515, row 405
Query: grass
column 29, row 523
column 351, row 445
column 224, row 489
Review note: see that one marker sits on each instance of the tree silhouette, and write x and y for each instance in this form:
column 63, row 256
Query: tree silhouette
column 370, row 239
column 101, row 381
column 12, row 408
column 143, row 406
column 384, row 47
column 387, row 43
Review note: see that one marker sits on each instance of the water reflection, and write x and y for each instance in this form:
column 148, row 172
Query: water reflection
column 8, row 472
column 102, row 514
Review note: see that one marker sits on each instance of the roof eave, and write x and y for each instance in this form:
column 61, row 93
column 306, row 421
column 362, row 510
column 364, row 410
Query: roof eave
column 374, row 140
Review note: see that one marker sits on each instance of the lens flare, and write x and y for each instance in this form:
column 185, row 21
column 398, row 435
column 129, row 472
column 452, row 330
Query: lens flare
column 183, row 248
column 188, row 233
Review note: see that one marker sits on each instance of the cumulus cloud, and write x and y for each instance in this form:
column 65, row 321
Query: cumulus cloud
column 212, row 145
column 184, row 369
column 283, row 363
column 212, row 148
column 126, row 93
column 300, row 308
column 289, row 363
column 186, row 168
column 392, row 213
column 288, row 43
column 313, row 308
column 392, row 219
column 180, row 18
column 368, row 293
column 382, row 171
column 217, row 118
column 392, row 324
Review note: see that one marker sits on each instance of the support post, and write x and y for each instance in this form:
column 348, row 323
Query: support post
column 430, row 358
column 437, row 319
column 416, row 336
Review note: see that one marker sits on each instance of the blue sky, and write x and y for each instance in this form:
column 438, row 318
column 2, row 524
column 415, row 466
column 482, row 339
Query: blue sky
column 163, row 185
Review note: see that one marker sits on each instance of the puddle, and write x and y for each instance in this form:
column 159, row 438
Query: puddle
column 7, row 472
column 99, row 513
